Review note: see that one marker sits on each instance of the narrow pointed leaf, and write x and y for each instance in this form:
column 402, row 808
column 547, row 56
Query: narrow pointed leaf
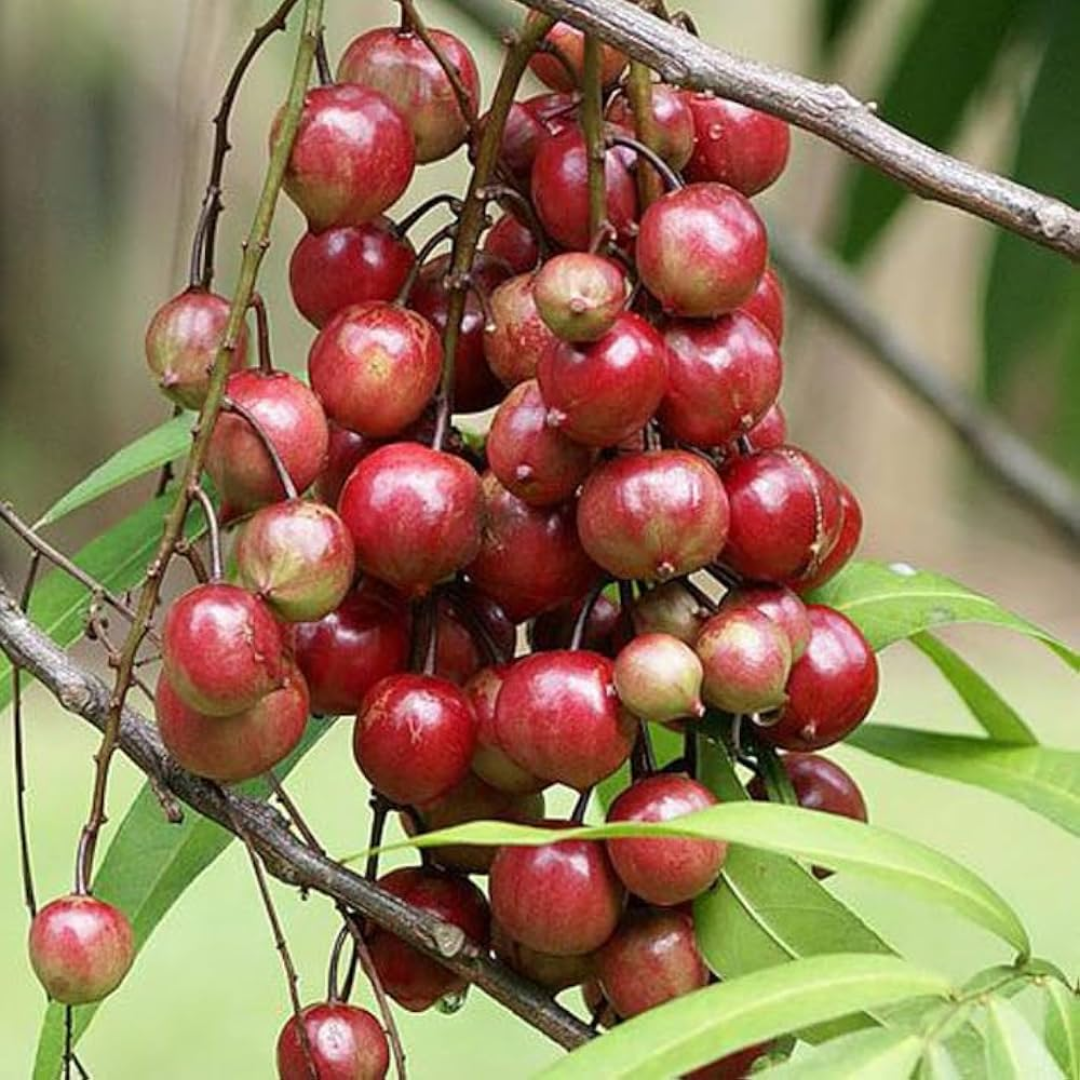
column 880, row 1054
column 1061, row 1026
column 938, row 1064
column 1013, row 1050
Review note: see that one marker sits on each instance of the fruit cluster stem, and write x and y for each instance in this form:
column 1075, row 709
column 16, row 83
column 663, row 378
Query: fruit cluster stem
column 592, row 126
column 639, row 90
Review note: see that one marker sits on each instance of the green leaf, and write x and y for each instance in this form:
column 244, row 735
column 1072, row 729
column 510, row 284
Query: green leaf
column 117, row 559
column 1013, row 1050
column 146, row 870
column 1061, row 1026
column 880, row 1054
column 826, row 840
column 938, row 1064
column 1044, row 780
column 150, row 451
column 997, row 717
column 836, row 16
column 708, row 1024
column 892, row 602
column 916, row 98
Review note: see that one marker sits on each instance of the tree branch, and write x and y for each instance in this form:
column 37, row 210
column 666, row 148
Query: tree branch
column 285, row 855
column 829, row 111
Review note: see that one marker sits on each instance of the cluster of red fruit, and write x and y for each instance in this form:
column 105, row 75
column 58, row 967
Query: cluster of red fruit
column 637, row 439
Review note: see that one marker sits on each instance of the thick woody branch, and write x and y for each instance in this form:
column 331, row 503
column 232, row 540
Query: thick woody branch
column 286, row 856
column 829, row 111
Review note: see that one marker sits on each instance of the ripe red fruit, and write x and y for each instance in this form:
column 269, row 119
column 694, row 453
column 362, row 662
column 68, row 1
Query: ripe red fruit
column 374, row 367
column 229, row 749
column 654, row 515
column 80, row 948
column 669, row 609
column 658, row 677
column 701, row 250
column 352, row 158
column 347, row 652
column 560, row 193
column 781, row 605
column 472, row 628
column 840, row 553
column 399, row 64
column 554, row 973
column 602, row 392
column 414, row 737
column 354, row 264
column 723, row 376
column 346, row 1043
column 535, row 461
column 734, row 1066
column 746, row 657
column 785, row 515
column 603, row 629
column 820, row 784
column 570, row 42
column 182, row 342
column 666, row 870
column 345, row 449
column 221, row 648
column 831, row 688
column 490, row 761
column 652, row 958
column 561, row 898
column 672, row 123
column 736, row 145
column 558, row 716
column 770, row 431
column 414, row 514
column 515, row 336
column 530, row 559
column 527, row 123
column 766, row 304
column 512, row 243
column 413, row 980
column 293, row 420
column 579, row 295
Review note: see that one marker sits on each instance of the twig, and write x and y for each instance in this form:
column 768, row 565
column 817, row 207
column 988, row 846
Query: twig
column 592, row 126
column 322, row 61
column 262, row 326
column 829, row 111
column 198, row 492
column 405, row 225
column 18, row 755
column 639, row 92
column 1029, row 476
column 363, row 953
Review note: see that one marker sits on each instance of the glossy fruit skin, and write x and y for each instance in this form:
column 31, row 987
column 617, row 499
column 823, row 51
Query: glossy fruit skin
column 820, row 784
column 221, row 648
column 80, row 948
column 766, row 304
column 770, row 431
column 527, row 123
column 347, row 1043
column 670, row 870
column 414, row 737
column 669, row 609
column 530, row 559
column 560, row 194
column 354, row 264
column 344, row 449
column 701, row 250
column 846, row 543
column 672, row 123
column 562, row 898
column 182, row 341
column 831, row 688
column 352, row 158
column 602, row 392
column 554, row 973
column 781, row 605
column 654, row 515
column 414, row 514
column 785, row 515
column 579, row 295
column 735, row 144
column 375, row 367
column 298, row 557
column 658, row 678
column 512, row 243
column 295, row 423
column 229, row 749
column 531, row 459
column 746, row 658
column 723, row 376
column 516, row 337
column 558, row 716
column 604, row 632
column 490, row 761
column 401, row 66
column 571, row 43
column 652, row 958
column 414, row 980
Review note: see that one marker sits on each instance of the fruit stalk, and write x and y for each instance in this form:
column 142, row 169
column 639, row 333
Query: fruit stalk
column 639, row 90
column 592, row 125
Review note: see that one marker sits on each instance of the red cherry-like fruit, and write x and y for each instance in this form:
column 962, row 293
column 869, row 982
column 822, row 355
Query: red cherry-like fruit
column 603, row 633
column 746, row 658
column 579, row 295
column 766, row 304
column 527, row 123
column 558, row 716
column 561, row 898
column 346, row 1043
column 669, row 608
column 233, row 748
column 554, row 973
column 513, row 243
column 671, row 123
column 354, row 264
column 820, row 784
column 723, row 376
column 654, row 515
column 80, row 948
column 830, row 689
column 736, row 1066
column 781, row 605
column 222, row 649
column 770, row 431
column 515, row 337
column 701, row 250
column 414, row 514
column 345, row 448
column 736, row 145
column 602, row 392
column 566, row 74
column 664, row 870
column 352, row 157
column 658, row 677
column 490, row 761
column 399, row 64
column 182, row 342
column 472, row 630
column 846, row 543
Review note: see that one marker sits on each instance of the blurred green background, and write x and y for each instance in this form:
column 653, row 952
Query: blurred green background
column 106, row 139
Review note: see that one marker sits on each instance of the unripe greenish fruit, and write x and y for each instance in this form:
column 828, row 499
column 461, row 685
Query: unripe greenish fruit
column 672, row 609
column 658, row 677
column 746, row 658
column 579, row 296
